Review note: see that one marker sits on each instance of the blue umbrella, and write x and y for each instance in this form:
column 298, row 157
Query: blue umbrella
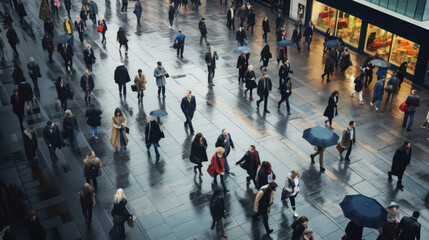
column 285, row 43
column 380, row 63
column 158, row 113
column 62, row 38
column 320, row 136
column 331, row 43
column 240, row 50
column 364, row 211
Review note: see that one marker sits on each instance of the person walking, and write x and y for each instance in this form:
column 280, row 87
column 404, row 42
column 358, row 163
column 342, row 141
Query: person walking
column 218, row 166
column 93, row 11
column 250, row 162
column 79, row 26
column 71, row 129
column 296, row 37
column 367, row 67
column 265, row 174
column 378, row 92
column 308, row 34
column 118, row 136
column 179, row 42
column 120, row 213
column 230, row 18
column 409, row 228
column 392, row 88
column 171, row 12
column 188, row 106
column 413, row 101
column 198, row 153
column 18, row 107
column 299, row 226
column 12, row 38
column 86, row 198
column 160, row 74
column 263, row 201
column 388, row 231
column 89, row 57
column 284, row 71
column 68, row 27
column 279, row 22
column 102, row 22
column 225, row 141
column 124, row 6
column 331, row 109
column 319, row 151
column 54, row 140
column 21, row 11
column 348, row 139
column 353, row 231
column 265, row 56
column 401, row 72
column 285, row 91
column 92, row 168
column 241, row 13
column 218, row 210
column 425, row 122
column 264, row 89
column 48, row 45
column 203, row 30
column 140, row 82
column 17, row 75
column 401, row 159
column 44, row 10
column 26, row 94
column 35, row 229
column 30, row 142
column 121, row 78
column 84, row 15
column 34, row 72
column 251, row 20
column 87, row 85
column 345, row 61
column 67, row 53
column 138, row 11
column 68, row 5
column 121, row 37
column 153, row 135
column 210, row 58
column 265, row 28
column 240, row 37
column 63, row 92
column 358, row 87
column 250, row 78
column 93, row 119
column 329, row 66
column 242, row 64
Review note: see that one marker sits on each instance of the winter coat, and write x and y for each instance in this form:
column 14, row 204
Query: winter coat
column 17, row 105
column 266, row 26
column 33, row 69
column 66, row 51
column 252, row 165
column 261, row 86
column 202, row 27
column 345, row 140
column 160, row 79
column 217, row 207
column 413, row 101
column 90, row 83
column 329, row 65
column 120, row 209
column 30, row 144
column 240, row 36
column 93, row 115
column 296, row 36
column 265, row 54
column 88, row 161
column 242, row 64
column 220, row 142
column 345, row 61
column 12, row 37
column 118, row 124
column 285, row 70
column 121, row 75
column 69, row 125
column 251, row 18
column 198, row 152
column 331, row 109
column 394, row 82
column 140, row 82
column 152, row 132
column 217, row 164
column 262, row 177
column 88, row 56
column 298, row 230
column 359, row 83
column 79, row 26
column 211, row 61
column 63, row 92
column 408, row 229
column 400, row 160
column 45, row 11
column 21, row 10
column 54, row 138
column 250, row 83
column 18, row 76
column 25, row 91
column 48, row 44
column 378, row 90
column 121, row 37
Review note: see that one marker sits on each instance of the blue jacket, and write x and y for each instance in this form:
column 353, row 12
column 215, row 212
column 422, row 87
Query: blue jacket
column 378, row 89
column 180, row 39
column 381, row 72
column 94, row 7
column 138, row 9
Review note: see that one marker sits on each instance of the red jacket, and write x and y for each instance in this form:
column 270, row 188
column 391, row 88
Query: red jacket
column 214, row 167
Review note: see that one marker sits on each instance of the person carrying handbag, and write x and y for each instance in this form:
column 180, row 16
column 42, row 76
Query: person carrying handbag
column 250, row 162
column 120, row 215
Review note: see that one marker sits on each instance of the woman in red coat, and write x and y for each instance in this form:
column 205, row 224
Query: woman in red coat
column 217, row 167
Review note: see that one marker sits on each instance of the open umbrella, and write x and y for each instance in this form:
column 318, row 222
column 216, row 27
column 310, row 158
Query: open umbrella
column 158, row 113
column 331, row 43
column 380, row 63
column 240, row 50
column 62, row 38
column 285, row 43
column 364, row 211
column 320, row 136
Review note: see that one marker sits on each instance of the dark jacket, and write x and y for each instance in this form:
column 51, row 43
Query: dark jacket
column 138, row 9
column 263, row 177
column 279, row 23
column 242, row 64
column 93, row 115
column 329, row 65
column 394, row 81
column 33, row 69
column 296, row 35
column 121, row 37
column 285, row 70
column 298, row 230
column 250, row 84
column 378, row 90
column 345, row 61
column 63, row 92
column 408, row 229
column 261, row 86
column 202, row 27
column 121, row 75
column 413, row 101
column 353, row 231
column 188, row 108
column 30, row 144
column 229, row 16
column 286, row 87
column 251, row 18
column 90, row 83
column 331, row 109
column 69, row 125
column 68, row 4
column 152, row 132
column 86, row 200
column 241, row 12
column 18, row 76
column 49, row 27
column 359, row 83
column 198, row 152
column 66, row 52
column 308, row 31
column 79, row 26
column 220, row 142
column 17, row 105
column 400, row 160
column 171, row 13
column 35, row 229
column 25, row 91
column 251, row 166
column 240, row 36
column 211, row 61
column 266, row 26
column 54, row 138
column 12, row 37
column 120, row 209
column 48, row 44
column 88, row 56
column 265, row 53
column 217, row 207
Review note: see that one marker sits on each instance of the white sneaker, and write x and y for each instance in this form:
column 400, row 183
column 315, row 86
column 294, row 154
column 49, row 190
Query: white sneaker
column 96, row 137
column 351, row 94
column 371, row 103
column 376, row 108
column 295, row 214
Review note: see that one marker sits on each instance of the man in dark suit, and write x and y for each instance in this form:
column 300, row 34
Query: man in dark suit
column 409, row 228
column 400, row 161
column 188, row 106
column 308, row 34
column 203, row 30
column 211, row 57
column 264, row 89
column 66, row 52
column 121, row 78
column 53, row 138
column 348, row 139
column 284, row 71
column 224, row 140
column 230, row 18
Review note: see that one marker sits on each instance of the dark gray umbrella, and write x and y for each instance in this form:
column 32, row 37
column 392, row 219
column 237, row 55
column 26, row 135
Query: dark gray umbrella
column 158, row 113
column 364, row 211
column 241, row 50
column 285, row 43
column 331, row 43
column 62, row 38
column 380, row 63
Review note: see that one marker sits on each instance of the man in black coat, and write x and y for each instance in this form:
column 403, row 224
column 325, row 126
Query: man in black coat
column 211, row 57
column 409, row 228
column 188, row 107
column 34, row 71
column 121, row 78
column 284, row 71
column 296, row 37
column 203, row 30
column 224, row 140
column 87, row 85
column 308, row 34
column 264, row 89
column 240, row 37
column 18, row 107
column 13, row 39
column 230, row 18
column 53, row 138
column 242, row 14
column 66, row 52
column 48, row 45
column 250, row 162
column 400, row 161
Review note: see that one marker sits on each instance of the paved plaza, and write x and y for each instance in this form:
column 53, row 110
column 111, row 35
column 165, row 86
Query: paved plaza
column 168, row 199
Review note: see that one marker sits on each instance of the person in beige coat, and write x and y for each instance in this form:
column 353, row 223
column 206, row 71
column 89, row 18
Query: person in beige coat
column 263, row 201
column 92, row 168
column 140, row 82
column 118, row 137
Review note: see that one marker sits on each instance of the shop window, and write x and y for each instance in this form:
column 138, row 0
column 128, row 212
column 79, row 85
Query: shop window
column 404, row 50
column 348, row 28
column 378, row 41
column 323, row 16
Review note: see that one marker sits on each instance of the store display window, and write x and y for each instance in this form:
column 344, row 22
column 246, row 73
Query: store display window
column 348, row 28
column 323, row 16
column 378, row 41
column 404, row 50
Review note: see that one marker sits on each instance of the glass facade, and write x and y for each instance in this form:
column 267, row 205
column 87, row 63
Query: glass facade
column 404, row 50
column 323, row 16
column 378, row 41
column 417, row 9
column 348, row 28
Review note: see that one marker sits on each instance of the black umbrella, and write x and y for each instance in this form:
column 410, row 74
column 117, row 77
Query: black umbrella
column 285, row 43
column 158, row 113
column 331, row 43
column 320, row 136
column 364, row 211
column 380, row 63
column 62, row 38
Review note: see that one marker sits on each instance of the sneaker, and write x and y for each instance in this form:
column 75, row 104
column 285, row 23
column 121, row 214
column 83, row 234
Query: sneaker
column 422, row 127
column 371, row 103
column 376, row 108
column 295, row 214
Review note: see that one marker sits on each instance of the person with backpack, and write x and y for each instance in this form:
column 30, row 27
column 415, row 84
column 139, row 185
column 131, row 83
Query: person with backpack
column 92, row 168
column 265, row 174
column 87, row 201
column 217, row 210
column 250, row 162
column 263, row 201
column 291, row 190
column 358, row 87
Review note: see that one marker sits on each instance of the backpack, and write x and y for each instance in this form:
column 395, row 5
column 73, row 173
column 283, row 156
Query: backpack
column 92, row 171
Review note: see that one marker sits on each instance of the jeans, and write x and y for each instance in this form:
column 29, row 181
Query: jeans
column 221, row 181
column 121, row 138
column 298, row 46
column 180, row 50
column 226, row 164
column 308, row 41
column 122, row 87
column 162, row 88
column 360, row 95
column 285, row 97
column 171, row 23
column 155, row 145
column 211, row 71
column 378, row 100
column 393, row 97
column 94, row 130
column 88, row 97
column 176, row 11
column 75, row 142
column 410, row 124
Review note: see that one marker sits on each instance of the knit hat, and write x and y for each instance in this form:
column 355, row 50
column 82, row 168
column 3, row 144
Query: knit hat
column 307, row 231
column 393, row 204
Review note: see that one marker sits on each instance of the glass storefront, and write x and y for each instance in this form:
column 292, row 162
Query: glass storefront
column 323, row 16
column 348, row 28
column 404, row 50
column 378, row 41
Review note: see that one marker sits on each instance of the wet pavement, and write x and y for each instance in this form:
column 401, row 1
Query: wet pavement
column 170, row 202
